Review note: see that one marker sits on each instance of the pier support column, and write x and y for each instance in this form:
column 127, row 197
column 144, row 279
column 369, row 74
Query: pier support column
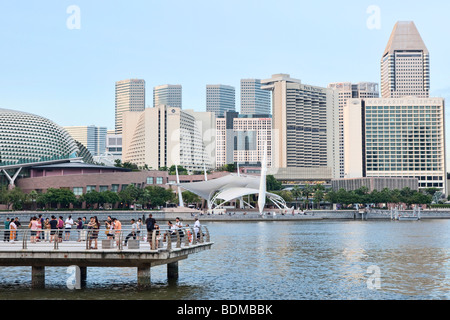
column 38, row 277
column 83, row 277
column 143, row 277
column 172, row 271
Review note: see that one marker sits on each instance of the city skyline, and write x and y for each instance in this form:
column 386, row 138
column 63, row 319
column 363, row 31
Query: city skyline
column 66, row 55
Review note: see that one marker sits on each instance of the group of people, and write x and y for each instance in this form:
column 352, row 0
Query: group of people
column 59, row 229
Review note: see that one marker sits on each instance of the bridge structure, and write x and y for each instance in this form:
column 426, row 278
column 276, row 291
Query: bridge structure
column 81, row 250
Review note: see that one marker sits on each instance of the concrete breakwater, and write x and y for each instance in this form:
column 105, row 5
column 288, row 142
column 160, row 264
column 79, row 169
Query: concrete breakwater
column 163, row 217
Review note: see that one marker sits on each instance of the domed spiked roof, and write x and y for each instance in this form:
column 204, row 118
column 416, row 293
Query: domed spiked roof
column 28, row 138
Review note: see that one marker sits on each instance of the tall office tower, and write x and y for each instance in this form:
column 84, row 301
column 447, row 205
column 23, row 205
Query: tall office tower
column 169, row 95
column 347, row 90
column 130, row 96
column 305, row 125
column 220, row 99
column 241, row 139
column 397, row 137
column 92, row 137
column 164, row 136
column 405, row 65
column 254, row 100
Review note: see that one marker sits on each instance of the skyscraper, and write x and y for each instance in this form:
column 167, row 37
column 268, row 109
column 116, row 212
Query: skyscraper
column 254, row 100
column 169, row 95
column 130, row 96
column 396, row 137
column 405, row 65
column 92, row 137
column 305, row 125
column 347, row 91
column 220, row 99
column 241, row 139
column 164, row 136
column 401, row 134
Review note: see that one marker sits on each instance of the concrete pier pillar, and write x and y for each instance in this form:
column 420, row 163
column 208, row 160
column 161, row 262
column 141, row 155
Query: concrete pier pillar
column 38, row 277
column 172, row 271
column 83, row 276
column 143, row 276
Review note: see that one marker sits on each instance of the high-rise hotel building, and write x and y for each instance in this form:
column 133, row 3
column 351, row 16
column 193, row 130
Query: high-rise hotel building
column 92, row 137
column 243, row 138
column 130, row 96
column 405, row 65
column 169, row 95
column 401, row 134
column 305, row 122
column 254, row 100
column 220, row 99
column 164, row 136
column 346, row 91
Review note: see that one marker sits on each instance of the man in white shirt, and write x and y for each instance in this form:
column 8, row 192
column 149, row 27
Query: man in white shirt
column 197, row 228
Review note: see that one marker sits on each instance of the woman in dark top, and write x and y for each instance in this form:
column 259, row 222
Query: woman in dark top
column 53, row 228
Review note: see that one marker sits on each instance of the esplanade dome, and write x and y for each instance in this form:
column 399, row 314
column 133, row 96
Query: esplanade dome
column 28, row 138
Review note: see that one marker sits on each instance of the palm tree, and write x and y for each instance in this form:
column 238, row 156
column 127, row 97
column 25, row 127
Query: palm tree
column 307, row 192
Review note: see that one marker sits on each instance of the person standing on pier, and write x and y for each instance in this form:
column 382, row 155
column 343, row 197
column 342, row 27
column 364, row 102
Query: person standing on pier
column 53, row 229
column 18, row 224
column 197, row 228
column 13, row 233
column 93, row 227
column 150, row 223
column 117, row 229
column 68, row 227
column 60, row 228
column 132, row 233
column 46, row 227
column 6, row 232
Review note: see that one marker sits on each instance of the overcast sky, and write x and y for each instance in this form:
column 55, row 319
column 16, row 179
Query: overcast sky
column 51, row 68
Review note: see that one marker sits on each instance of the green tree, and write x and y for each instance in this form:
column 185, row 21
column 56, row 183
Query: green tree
column 181, row 170
column 273, row 184
column 190, row 198
column 159, row 196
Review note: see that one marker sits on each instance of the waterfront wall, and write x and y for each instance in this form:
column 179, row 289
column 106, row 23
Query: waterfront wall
column 189, row 217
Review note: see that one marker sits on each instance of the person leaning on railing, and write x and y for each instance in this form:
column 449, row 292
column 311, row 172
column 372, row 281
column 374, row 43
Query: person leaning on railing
column 6, row 231
column 132, row 233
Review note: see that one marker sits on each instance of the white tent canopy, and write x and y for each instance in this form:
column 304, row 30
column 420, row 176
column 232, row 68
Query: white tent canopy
column 229, row 188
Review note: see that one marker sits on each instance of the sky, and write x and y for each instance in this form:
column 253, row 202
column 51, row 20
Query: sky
column 63, row 64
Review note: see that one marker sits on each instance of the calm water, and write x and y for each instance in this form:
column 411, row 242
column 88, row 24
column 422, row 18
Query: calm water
column 279, row 261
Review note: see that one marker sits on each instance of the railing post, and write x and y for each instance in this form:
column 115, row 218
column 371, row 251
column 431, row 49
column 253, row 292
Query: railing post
column 178, row 238
column 201, row 234
column 194, row 237
column 88, row 237
column 186, row 234
column 208, row 238
column 153, row 241
column 24, row 240
column 169, row 241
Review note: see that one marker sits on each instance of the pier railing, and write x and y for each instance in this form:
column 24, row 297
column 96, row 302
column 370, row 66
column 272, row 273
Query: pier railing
column 91, row 239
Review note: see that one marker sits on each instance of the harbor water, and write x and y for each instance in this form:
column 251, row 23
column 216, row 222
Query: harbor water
column 311, row 260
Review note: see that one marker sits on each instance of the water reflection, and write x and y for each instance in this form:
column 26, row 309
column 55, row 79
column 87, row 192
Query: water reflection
column 279, row 260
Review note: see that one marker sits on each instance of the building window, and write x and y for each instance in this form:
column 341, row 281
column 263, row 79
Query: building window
column 124, row 186
column 159, row 180
column 90, row 188
column 103, row 188
column 150, row 180
column 78, row 191
column 115, row 188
